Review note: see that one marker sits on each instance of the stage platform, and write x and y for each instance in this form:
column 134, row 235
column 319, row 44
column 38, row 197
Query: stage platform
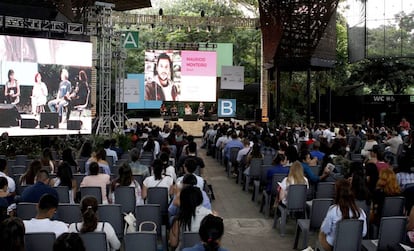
column 191, row 127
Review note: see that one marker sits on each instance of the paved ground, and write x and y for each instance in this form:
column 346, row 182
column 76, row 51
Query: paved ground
column 245, row 227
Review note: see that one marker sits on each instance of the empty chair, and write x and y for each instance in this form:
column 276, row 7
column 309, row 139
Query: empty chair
column 144, row 240
column 352, row 229
column 190, row 239
column 254, row 172
column 159, row 195
column 261, row 182
column 393, row 206
column 26, row 210
column 125, row 196
column 232, row 160
column 18, row 169
column 112, row 214
column 20, row 160
column 317, row 215
column 92, row 191
column 391, row 232
column 63, row 193
column 151, row 212
column 39, row 241
column 296, row 202
column 325, row 190
column 94, row 241
column 69, row 213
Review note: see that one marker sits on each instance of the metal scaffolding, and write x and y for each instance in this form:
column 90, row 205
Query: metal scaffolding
column 119, row 56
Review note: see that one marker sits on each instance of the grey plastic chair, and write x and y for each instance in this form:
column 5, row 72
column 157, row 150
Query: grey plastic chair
column 26, row 210
column 18, row 169
column 125, row 196
column 113, row 214
column 94, row 241
column 393, row 206
column 317, row 215
column 190, row 239
column 254, row 172
column 261, row 182
column 20, row 160
column 233, row 156
column 268, row 159
column 78, row 177
column 325, row 190
column 39, row 241
column 159, row 195
column 144, row 240
column 151, row 212
column 267, row 198
column 92, row 191
column 391, row 232
column 296, row 202
column 69, row 213
column 63, row 193
column 352, row 229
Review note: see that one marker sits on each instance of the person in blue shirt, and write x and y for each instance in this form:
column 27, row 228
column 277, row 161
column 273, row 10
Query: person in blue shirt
column 211, row 230
column 306, row 162
column 62, row 97
column 34, row 192
column 279, row 166
column 315, row 152
column 234, row 142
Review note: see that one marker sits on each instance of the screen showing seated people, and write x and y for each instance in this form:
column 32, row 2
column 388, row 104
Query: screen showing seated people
column 45, row 86
column 173, row 75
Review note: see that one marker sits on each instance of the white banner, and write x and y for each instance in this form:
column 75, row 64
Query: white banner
column 232, row 77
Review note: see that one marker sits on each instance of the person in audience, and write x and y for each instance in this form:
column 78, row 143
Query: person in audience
column 11, row 184
column 190, row 166
column 125, row 178
column 12, row 234
column 28, row 178
column 34, row 192
column 136, row 167
column 86, row 150
column 46, row 209
column 67, row 156
column 96, row 179
column 157, row 179
column 188, row 180
column 306, row 162
column 368, row 144
column 69, row 242
column 109, row 151
column 4, row 205
column 404, row 175
column 189, row 216
column 387, row 185
column 47, row 160
column 168, row 169
column 359, row 185
column 254, row 154
column 315, row 152
column 279, row 167
column 211, row 231
column 344, row 208
column 233, row 143
column 100, row 158
column 3, row 187
column 39, row 95
column 371, row 176
column 192, row 154
column 64, row 177
column 90, row 223
column 151, row 145
column 295, row 176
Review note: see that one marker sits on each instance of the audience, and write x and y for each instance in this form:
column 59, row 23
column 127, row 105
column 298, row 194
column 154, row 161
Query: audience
column 46, row 209
column 34, row 192
column 136, row 167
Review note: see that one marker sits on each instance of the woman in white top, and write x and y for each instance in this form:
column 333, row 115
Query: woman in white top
column 157, row 180
column 344, row 208
column 168, row 170
column 39, row 95
column 190, row 215
column 90, row 223
column 126, row 178
column 295, row 176
column 64, row 177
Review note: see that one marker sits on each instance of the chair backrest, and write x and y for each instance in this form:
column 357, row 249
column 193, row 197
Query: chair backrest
column 318, row 212
column 139, row 178
column 233, row 154
column 69, row 213
column 125, row 196
column 81, row 164
column 352, row 229
column 26, row 210
column 146, row 158
column 263, row 174
column 364, row 206
column 18, row 169
column 296, row 198
column 39, row 241
column 158, row 195
column 391, row 231
column 112, row 213
column 144, row 240
column 268, row 159
column 325, row 190
column 277, row 177
column 79, row 177
column 92, row 191
column 393, row 206
column 20, row 160
column 149, row 212
column 190, row 239
column 63, row 193
column 110, row 160
column 255, row 167
column 94, row 241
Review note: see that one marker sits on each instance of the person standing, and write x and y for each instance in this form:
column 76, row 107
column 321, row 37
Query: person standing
column 62, row 96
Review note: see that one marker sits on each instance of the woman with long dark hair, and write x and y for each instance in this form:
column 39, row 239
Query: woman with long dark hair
column 158, row 179
column 64, row 177
column 12, row 234
column 125, row 178
column 189, row 216
column 90, row 223
column 344, row 208
column 29, row 176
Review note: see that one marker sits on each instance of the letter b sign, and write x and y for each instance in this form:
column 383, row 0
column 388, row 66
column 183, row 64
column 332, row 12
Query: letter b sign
column 227, row 108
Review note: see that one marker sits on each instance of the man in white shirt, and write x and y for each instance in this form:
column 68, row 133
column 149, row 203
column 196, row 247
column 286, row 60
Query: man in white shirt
column 11, row 185
column 46, row 208
column 109, row 152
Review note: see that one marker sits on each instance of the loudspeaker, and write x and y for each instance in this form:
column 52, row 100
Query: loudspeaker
column 192, row 117
column 146, row 119
column 28, row 123
column 74, row 125
column 9, row 115
column 211, row 118
column 49, row 120
column 174, row 118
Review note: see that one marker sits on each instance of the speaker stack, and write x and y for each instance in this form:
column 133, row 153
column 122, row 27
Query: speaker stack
column 49, row 120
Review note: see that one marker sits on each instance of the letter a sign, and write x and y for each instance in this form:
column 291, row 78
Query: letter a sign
column 130, row 40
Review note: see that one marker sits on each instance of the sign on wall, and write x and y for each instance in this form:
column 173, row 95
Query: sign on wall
column 232, row 77
column 226, row 108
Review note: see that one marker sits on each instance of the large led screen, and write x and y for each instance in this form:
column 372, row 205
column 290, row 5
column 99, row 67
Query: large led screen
column 172, row 75
column 45, row 86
